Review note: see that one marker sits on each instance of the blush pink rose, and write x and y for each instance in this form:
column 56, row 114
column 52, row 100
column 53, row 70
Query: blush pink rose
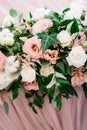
column 51, row 56
column 81, row 40
column 2, row 60
column 31, row 86
column 41, row 25
column 78, row 78
column 33, row 48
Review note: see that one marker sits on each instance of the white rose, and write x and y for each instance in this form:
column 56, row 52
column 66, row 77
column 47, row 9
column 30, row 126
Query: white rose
column 6, row 37
column 46, row 70
column 6, row 79
column 76, row 10
column 12, row 65
column 7, row 22
column 40, row 13
column 77, row 56
column 64, row 38
column 8, row 41
column 28, row 74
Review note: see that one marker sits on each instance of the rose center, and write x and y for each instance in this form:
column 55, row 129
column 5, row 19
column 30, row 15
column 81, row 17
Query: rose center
column 35, row 48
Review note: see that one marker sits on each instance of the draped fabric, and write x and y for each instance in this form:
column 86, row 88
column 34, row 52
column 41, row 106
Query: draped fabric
column 72, row 116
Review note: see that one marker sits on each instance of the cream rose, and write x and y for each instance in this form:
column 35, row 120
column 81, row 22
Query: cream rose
column 12, row 65
column 77, row 56
column 40, row 13
column 28, row 74
column 6, row 37
column 46, row 70
column 64, row 38
column 7, row 22
column 6, row 79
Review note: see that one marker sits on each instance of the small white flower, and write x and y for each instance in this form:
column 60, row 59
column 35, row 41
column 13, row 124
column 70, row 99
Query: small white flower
column 77, row 56
column 6, row 37
column 7, row 22
column 28, row 74
column 12, row 65
column 64, row 38
column 46, row 70
column 40, row 13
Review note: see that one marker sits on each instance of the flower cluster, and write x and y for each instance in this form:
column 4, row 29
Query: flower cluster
column 45, row 52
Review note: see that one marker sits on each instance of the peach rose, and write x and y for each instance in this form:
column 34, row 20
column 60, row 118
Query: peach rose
column 78, row 78
column 33, row 48
column 51, row 55
column 41, row 25
column 31, row 86
column 2, row 60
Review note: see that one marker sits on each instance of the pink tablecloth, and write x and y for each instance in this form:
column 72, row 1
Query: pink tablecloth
column 73, row 115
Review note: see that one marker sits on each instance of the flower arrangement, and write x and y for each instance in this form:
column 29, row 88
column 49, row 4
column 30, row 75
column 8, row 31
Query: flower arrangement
column 43, row 53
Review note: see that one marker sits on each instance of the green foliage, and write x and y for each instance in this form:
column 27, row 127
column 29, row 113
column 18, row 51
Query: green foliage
column 13, row 12
column 63, row 67
column 15, row 94
column 20, row 17
column 66, row 10
column 47, row 39
column 6, row 107
column 84, row 86
column 74, row 27
column 66, row 22
column 30, row 15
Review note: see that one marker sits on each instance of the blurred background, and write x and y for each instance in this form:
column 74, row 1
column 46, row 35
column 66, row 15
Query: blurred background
column 26, row 6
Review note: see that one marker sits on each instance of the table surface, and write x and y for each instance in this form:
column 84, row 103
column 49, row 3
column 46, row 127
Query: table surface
column 26, row 6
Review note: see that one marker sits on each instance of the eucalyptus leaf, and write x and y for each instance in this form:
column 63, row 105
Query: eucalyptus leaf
column 13, row 12
column 6, row 107
column 20, row 17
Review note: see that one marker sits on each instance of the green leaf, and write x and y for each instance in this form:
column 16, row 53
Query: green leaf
column 15, row 94
column 63, row 67
column 20, row 17
column 52, row 91
column 66, row 22
column 63, row 82
column 58, row 101
column 66, row 10
column 85, row 89
column 20, row 85
column 47, row 40
column 30, row 15
column 13, row 12
column 75, row 27
column 59, row 105
column 60, row 67
column 6, row 107
column 48, row 79
column 40, row 99
column 37, row 103
column 56, row 17
column 34, row 110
